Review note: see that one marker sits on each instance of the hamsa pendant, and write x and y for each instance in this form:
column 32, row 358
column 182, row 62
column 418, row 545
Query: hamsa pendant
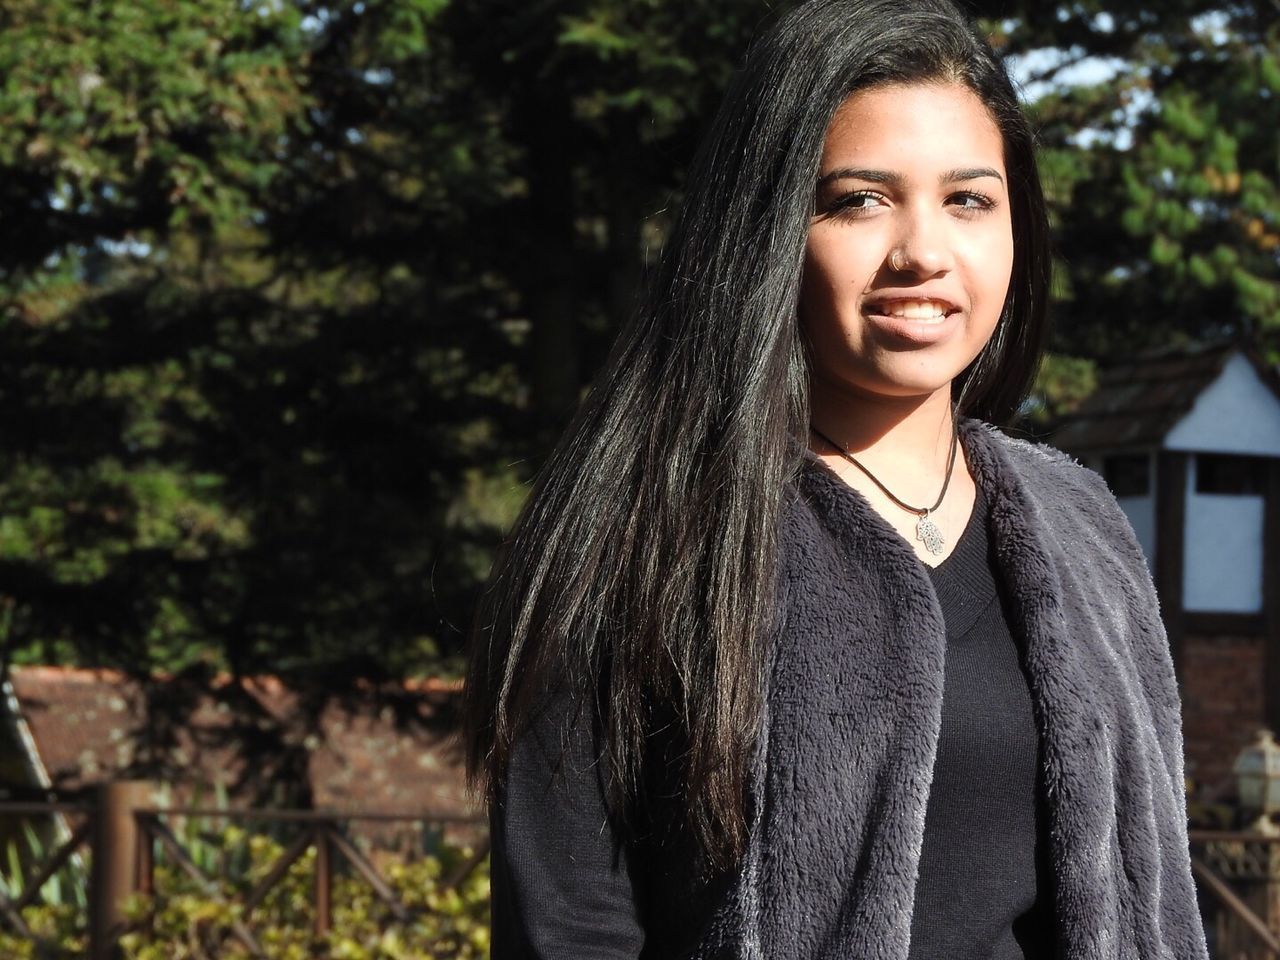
column 928, row 532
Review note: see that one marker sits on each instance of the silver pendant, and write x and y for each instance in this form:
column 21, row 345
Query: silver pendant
column 927, row 531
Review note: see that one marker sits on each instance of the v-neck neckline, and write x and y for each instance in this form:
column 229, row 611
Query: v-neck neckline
column 816, row 462
column 977, row 514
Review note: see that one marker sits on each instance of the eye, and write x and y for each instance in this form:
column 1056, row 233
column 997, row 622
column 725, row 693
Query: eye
column 855, row 204
column 971, row 202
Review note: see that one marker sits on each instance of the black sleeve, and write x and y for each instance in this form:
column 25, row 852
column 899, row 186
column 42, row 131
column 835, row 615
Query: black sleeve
column 560, row 883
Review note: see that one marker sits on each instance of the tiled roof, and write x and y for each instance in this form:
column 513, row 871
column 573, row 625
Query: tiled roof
column 1137, row 403
column 384, row 748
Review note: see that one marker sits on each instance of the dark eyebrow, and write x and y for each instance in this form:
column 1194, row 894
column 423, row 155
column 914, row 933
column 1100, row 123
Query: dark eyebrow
column 889, row 178
column 853, row 173
column 969, row 173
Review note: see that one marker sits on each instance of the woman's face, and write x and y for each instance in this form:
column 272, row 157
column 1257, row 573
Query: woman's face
column 910, row 247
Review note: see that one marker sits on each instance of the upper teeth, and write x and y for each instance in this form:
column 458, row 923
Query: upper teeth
column 914, row 309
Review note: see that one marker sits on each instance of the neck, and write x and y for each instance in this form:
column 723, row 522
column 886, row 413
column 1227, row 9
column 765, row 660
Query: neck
column 899, row 435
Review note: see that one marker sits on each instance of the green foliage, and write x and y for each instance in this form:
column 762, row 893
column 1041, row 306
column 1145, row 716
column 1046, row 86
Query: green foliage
column 1062, row 384
column 67, row 887
column 293, row 296
column 59, row 917
column 61, row 929
column 141, row 114
column 234, row 410
column 184, row 920
column 1162, row 175
column 271, row 389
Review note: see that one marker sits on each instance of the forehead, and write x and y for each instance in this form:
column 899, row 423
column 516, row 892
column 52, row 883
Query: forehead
column 913, row 126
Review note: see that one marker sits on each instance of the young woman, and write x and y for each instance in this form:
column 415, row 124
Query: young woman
column 792, row 653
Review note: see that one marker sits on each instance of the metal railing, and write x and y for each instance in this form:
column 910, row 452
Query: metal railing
column 1245, row 924
column 1238, row 872
column 122, row 831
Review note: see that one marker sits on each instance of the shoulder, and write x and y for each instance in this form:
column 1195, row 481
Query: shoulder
column 1057, row 490
column 1032, row 456
column 1043, row 467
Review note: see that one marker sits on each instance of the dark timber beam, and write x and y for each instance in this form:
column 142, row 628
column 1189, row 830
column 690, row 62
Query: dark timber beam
column 1171, row 509
column 1271, row 597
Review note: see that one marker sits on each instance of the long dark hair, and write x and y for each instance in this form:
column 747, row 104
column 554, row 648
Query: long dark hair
column 641, row 572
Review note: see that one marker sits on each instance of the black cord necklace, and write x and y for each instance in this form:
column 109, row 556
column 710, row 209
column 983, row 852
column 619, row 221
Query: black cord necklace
column 926, row 530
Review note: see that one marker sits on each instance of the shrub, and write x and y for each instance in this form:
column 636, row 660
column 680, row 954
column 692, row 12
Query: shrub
column 59, row 917
column 185, row 920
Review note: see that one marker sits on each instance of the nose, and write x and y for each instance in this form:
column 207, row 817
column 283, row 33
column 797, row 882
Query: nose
column 922, row 246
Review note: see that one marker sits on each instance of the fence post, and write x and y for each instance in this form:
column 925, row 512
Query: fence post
column 323, row 881
column 115, row 862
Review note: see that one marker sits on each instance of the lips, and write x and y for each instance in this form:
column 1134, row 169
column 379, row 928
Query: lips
column 920, row 309
column 913, row 323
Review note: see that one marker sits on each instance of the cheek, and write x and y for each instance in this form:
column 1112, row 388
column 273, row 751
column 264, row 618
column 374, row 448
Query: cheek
column 815, row 294
column 1002, row 278
column 831, row 273
column 991, row 266
column 1004, row 257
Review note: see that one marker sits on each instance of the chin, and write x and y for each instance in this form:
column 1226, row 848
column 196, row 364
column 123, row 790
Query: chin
column 905, row 381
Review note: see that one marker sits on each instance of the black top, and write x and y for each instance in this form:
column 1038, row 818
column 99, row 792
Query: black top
column 984, row 890
column 559, row 887
column 562, row 889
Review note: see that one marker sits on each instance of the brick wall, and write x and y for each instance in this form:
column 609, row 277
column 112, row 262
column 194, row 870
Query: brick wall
column 1222, row 702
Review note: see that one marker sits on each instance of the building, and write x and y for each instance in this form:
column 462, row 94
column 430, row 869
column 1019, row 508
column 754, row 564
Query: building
column 1190, row 445
column 385, row 748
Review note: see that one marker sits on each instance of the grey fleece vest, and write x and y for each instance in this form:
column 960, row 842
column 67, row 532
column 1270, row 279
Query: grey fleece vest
column 844, row 762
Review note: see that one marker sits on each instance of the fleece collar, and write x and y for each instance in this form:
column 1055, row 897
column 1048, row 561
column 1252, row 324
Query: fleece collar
column 845, row 759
